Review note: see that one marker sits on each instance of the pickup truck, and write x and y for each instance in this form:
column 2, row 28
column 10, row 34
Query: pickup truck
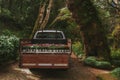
column 47, row 49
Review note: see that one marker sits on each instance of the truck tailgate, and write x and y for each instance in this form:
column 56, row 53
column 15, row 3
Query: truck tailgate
column 44, row 60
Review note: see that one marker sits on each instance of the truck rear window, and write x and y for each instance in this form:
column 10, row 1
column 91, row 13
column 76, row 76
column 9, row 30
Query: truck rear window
column 49, row 35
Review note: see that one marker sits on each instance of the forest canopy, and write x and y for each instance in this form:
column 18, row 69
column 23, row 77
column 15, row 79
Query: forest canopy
column 82, row 21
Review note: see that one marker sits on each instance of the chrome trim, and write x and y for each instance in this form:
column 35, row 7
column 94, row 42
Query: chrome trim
column 44, row 64
column 60, row 64
column 29, row 64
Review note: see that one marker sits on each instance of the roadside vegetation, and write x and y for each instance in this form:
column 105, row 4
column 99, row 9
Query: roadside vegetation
column 9, row 44
column 95, row 36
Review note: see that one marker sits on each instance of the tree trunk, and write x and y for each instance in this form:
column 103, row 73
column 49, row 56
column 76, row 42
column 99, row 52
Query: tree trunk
column 39, row 20
column 92, row 31
column 2, row 5
column 43, row 17
column 10, row 5
column 47, row 15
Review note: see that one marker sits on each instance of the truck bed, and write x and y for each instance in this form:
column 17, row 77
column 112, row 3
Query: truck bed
column 47, row 57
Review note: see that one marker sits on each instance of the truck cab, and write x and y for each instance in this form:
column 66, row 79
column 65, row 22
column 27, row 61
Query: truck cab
column 49, row 34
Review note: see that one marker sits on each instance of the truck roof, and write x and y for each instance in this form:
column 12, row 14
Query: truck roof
column 49, row 31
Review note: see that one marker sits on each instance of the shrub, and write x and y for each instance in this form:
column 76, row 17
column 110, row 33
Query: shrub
column 8, row 48
column 103, row 64
column 90, row 61
column 115, row 54
column 116, row 36
column 116, row 72
column 7, row 33
column 77, row 48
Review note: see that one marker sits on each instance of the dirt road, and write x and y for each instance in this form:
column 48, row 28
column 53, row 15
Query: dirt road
column 77, row 72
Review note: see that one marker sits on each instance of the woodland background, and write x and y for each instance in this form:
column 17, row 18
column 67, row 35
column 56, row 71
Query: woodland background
column 93, row 26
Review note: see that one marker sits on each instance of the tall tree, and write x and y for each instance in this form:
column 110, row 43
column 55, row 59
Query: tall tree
column 92, row 31
column 43, row 16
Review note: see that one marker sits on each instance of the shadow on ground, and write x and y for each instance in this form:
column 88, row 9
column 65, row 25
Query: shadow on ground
column 77, row 71
column 54, row 74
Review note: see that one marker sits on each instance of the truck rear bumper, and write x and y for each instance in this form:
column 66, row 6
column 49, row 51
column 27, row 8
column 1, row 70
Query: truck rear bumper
column 34, row 65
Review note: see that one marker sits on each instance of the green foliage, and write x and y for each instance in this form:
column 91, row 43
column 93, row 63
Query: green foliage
column 115, row 54
column 64, row 14
column 6, row 33
column 22, row 14
column 116, row 32
column 77, row 48
column 103, row 64
column 66, row 23
column 116, row 72
column 8, row 47
column 19, row 14
column 103, row 13
column 107, row 14
column 116, row 36
column 6, row 12
column 92, row 61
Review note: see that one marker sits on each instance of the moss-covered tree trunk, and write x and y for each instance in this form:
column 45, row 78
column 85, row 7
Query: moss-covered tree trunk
column 92, row 31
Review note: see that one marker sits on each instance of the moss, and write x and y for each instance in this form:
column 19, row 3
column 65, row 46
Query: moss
column 92, row 61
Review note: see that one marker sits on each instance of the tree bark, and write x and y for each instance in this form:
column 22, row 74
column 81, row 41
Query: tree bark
column 39, row 20
column 43, row 17
column 10, row 5
column 92, row 31
column 47, row 15
column 2, row 5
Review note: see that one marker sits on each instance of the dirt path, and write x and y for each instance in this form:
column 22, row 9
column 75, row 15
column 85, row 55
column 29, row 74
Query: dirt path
column 77, row 72
column 104, row 74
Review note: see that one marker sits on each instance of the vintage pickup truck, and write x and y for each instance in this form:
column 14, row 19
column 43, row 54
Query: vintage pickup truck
column 47, row 49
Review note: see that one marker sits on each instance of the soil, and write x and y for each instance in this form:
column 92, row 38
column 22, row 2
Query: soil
column 77, row 71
